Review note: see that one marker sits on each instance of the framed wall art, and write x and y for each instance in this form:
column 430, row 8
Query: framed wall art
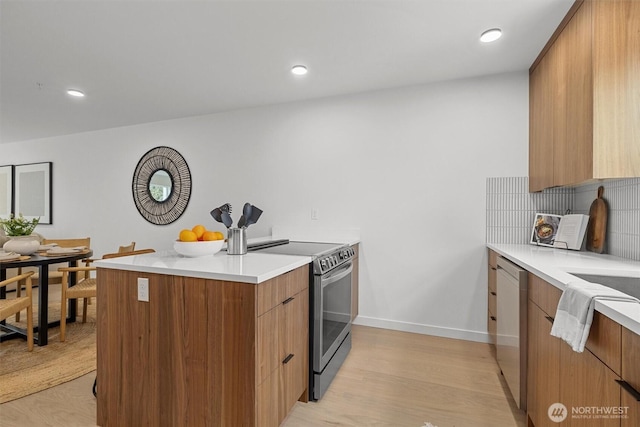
column 6, row 191
column 32, row 191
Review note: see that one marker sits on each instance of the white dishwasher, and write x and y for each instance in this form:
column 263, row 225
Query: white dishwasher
column 511, row 340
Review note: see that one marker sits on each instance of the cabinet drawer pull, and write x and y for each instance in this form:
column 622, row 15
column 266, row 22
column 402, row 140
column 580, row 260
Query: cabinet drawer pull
column 287, row 359
column 288, row 300
column 629, row 389
column 493, row 268
column 493, row 293
column 493, row 318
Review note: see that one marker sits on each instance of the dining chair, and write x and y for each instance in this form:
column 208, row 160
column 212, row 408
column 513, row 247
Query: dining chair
column 17, row 304
column 85, row 287
column 127, row 248
column 54, row 275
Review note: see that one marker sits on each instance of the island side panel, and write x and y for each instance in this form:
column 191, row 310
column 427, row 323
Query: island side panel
column 230, row 335
column 119, row 321
column 184, row 358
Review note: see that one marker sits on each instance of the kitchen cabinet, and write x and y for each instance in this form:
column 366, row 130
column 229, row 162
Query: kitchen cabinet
column 283, row 352
column 355, row 281
column 543, row 367
column 201, row 351
column 630, row 394
column 582, row 93
column 580, row 381
column 585, row 384
column 492, row 320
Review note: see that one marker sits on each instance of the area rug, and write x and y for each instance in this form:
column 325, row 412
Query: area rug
column 23, row 373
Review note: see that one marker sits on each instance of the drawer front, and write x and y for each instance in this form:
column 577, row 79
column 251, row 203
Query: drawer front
column 493, row 259
column 543, row 294
column 604, row 341
column 630, row 355
column 275, row 291
column 630, row 374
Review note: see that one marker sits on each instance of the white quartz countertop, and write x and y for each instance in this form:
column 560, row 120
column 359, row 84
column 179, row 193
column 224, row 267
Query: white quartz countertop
column 554, row 266
column 252, row 267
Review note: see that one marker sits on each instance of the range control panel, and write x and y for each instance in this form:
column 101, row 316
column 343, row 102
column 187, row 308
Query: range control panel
column 330, row 261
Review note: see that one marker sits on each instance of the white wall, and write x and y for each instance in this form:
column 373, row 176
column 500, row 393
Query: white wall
column 415, row 161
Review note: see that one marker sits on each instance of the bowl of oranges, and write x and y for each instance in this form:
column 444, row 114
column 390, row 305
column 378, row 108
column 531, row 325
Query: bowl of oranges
column 198, row 242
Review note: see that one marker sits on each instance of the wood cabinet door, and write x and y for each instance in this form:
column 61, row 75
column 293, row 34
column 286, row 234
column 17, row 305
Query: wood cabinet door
column 631, row 375
column 587, row 384
column 573, row 154
column 294, row 351
column 541, row 116
column 616, row 50
column 543, row 371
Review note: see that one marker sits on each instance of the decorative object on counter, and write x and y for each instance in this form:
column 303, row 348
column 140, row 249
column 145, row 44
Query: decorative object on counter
column 597, row 228
column 559, row 231
column 198, row 242
column 236, row 241
column 32, row 191
column 221, row 214
column 20, row 230
column 161, row 185
column 246, row 213
column 250, row 215
column 226, row 217
column 545, row 227
column 198, row 248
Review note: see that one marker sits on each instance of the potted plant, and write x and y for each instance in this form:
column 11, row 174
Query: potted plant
column 19, row 230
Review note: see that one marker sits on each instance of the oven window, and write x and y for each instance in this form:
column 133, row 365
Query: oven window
column 336, row 310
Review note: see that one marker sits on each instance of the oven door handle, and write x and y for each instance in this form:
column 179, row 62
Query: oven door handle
column 334, row 277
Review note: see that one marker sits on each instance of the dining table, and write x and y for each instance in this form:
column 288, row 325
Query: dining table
column 42, row 261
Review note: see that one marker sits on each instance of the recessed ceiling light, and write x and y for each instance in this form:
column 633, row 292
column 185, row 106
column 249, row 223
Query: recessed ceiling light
column 299, row 70
column 75, row 92
column 491, row 35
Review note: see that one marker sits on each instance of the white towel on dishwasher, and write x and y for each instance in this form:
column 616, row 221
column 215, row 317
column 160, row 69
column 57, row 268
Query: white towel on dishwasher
column 575, row 311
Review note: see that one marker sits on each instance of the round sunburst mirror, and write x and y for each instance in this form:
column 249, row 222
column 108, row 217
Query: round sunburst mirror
column 161, row 185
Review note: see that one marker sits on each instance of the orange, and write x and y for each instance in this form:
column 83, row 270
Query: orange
column 188, row 236
column 199, row 230
column 212, row 235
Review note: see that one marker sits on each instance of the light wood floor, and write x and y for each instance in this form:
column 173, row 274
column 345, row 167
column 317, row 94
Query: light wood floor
column 390, row 378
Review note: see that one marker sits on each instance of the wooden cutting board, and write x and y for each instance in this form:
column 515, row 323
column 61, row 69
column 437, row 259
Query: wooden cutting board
column 597, row 228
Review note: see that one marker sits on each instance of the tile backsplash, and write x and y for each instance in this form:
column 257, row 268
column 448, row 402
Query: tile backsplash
column 511, row 209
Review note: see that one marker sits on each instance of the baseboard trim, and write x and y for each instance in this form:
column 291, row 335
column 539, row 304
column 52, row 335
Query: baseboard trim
column 438, row 331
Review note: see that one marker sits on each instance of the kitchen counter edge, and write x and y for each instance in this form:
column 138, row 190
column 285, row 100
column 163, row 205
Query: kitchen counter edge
column 249, row 268
column 554, row 265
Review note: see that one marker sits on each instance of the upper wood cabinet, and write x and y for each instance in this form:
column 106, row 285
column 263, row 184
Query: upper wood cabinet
column 584, row 111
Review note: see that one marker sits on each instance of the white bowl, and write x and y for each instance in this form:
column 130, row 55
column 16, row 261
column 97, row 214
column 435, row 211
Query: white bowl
column 198, row 249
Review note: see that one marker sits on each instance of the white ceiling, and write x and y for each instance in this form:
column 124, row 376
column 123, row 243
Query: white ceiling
column 149, row 60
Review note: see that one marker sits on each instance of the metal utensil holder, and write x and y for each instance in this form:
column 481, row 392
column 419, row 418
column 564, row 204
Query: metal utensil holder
column 236, row 241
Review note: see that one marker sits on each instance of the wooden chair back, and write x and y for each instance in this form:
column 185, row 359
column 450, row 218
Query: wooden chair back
column 15, row 305
column 138, row 252
column 127, row 248
column 69, row 243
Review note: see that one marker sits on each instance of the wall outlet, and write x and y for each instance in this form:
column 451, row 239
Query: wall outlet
column 315, row 214
column 143, row 289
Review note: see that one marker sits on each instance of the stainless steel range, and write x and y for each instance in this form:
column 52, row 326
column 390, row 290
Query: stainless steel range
column 329, row 307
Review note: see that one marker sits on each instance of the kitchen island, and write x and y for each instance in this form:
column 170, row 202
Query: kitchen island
column 221, row 340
